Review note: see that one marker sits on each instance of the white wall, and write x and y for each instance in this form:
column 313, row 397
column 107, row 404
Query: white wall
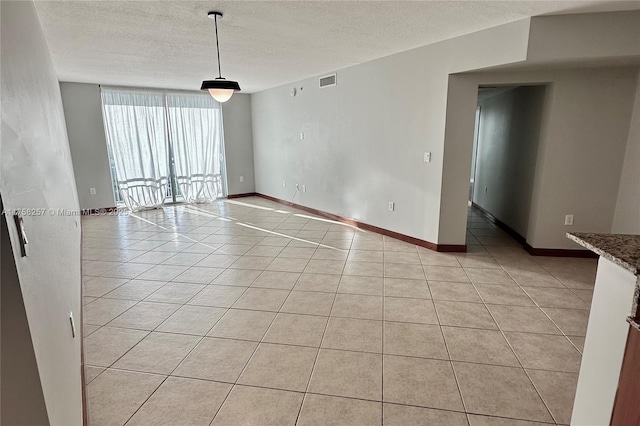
column 365, row 138
column 37, row 173
column 507, row 152
column 85, row 126
column 627, row 214
column 604, row 348
column 238, row 144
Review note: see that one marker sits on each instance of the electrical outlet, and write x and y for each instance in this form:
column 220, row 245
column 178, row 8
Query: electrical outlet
column 427, row 157
column 241, row 178
column 568, row 220
column 304, row 188
column 392, row 206
column 284, row 184
column 92, row 191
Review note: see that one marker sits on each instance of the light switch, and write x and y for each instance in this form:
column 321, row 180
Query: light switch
column 92, row 191
column 427, row 157
column 241, row 178
column 301, row 136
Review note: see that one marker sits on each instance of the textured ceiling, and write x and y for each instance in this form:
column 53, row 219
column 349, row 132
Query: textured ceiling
column 170, row 44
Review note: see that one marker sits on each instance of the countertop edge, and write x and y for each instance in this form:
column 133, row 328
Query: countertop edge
column 599, row 251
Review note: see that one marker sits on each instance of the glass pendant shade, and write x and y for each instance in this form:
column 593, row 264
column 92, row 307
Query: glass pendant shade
column 221, row 95
column 220, row 89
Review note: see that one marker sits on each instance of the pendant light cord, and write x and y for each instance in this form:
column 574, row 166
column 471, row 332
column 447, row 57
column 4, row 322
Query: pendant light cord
column 215, row 20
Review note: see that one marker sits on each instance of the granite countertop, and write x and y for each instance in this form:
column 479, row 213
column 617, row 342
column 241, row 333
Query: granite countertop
column 621, row 249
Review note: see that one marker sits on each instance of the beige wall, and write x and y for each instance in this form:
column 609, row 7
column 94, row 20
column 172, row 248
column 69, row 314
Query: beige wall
column 365, row 138
column 37, row 173
column 627, row 215
column 85, row 126
column 238, row 144
column 583, row 139
column 563, row 38
column 583, row 152
column 570, row 46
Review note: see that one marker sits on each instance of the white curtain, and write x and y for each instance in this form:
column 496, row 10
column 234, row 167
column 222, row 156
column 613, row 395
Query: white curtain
column 135, row 126
column 196, row 134
column 146, row 129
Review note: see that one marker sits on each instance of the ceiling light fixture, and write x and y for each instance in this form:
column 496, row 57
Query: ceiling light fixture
column 220, row 88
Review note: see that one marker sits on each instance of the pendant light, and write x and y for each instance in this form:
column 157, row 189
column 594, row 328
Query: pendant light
column 220, row 88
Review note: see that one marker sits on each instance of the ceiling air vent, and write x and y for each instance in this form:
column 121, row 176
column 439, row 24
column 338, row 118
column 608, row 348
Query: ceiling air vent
column 328, row 80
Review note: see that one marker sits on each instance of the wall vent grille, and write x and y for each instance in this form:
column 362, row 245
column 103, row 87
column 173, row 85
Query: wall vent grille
column 328, row 80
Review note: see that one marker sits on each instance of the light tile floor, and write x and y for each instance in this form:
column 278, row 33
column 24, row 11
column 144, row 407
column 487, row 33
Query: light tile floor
column 248, row 312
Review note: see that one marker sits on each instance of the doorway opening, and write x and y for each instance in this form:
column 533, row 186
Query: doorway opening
column 505, row 153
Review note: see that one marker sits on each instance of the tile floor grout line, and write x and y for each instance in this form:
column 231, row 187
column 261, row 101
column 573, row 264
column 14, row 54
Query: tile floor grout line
column 518, row 358
column 109, row 325
column 315, row 361
column 499, row 260
column 337, row 350
column 446, row 346
column 185, row 357
column 515, row 354
column 138, row 302
column 522, row 288
column 329, row 395
column 384, row 317
column 562, row 333
column 168, row 375
column 153, row 330
column 235, row 383
column 146, row 399
column 511, row 347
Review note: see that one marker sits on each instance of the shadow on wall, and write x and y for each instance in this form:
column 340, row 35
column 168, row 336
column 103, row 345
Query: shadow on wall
column 22, row 399
column 508, row 134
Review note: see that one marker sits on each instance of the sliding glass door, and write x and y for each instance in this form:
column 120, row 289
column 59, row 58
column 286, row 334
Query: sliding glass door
column 165, row 146
column 196, row 135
